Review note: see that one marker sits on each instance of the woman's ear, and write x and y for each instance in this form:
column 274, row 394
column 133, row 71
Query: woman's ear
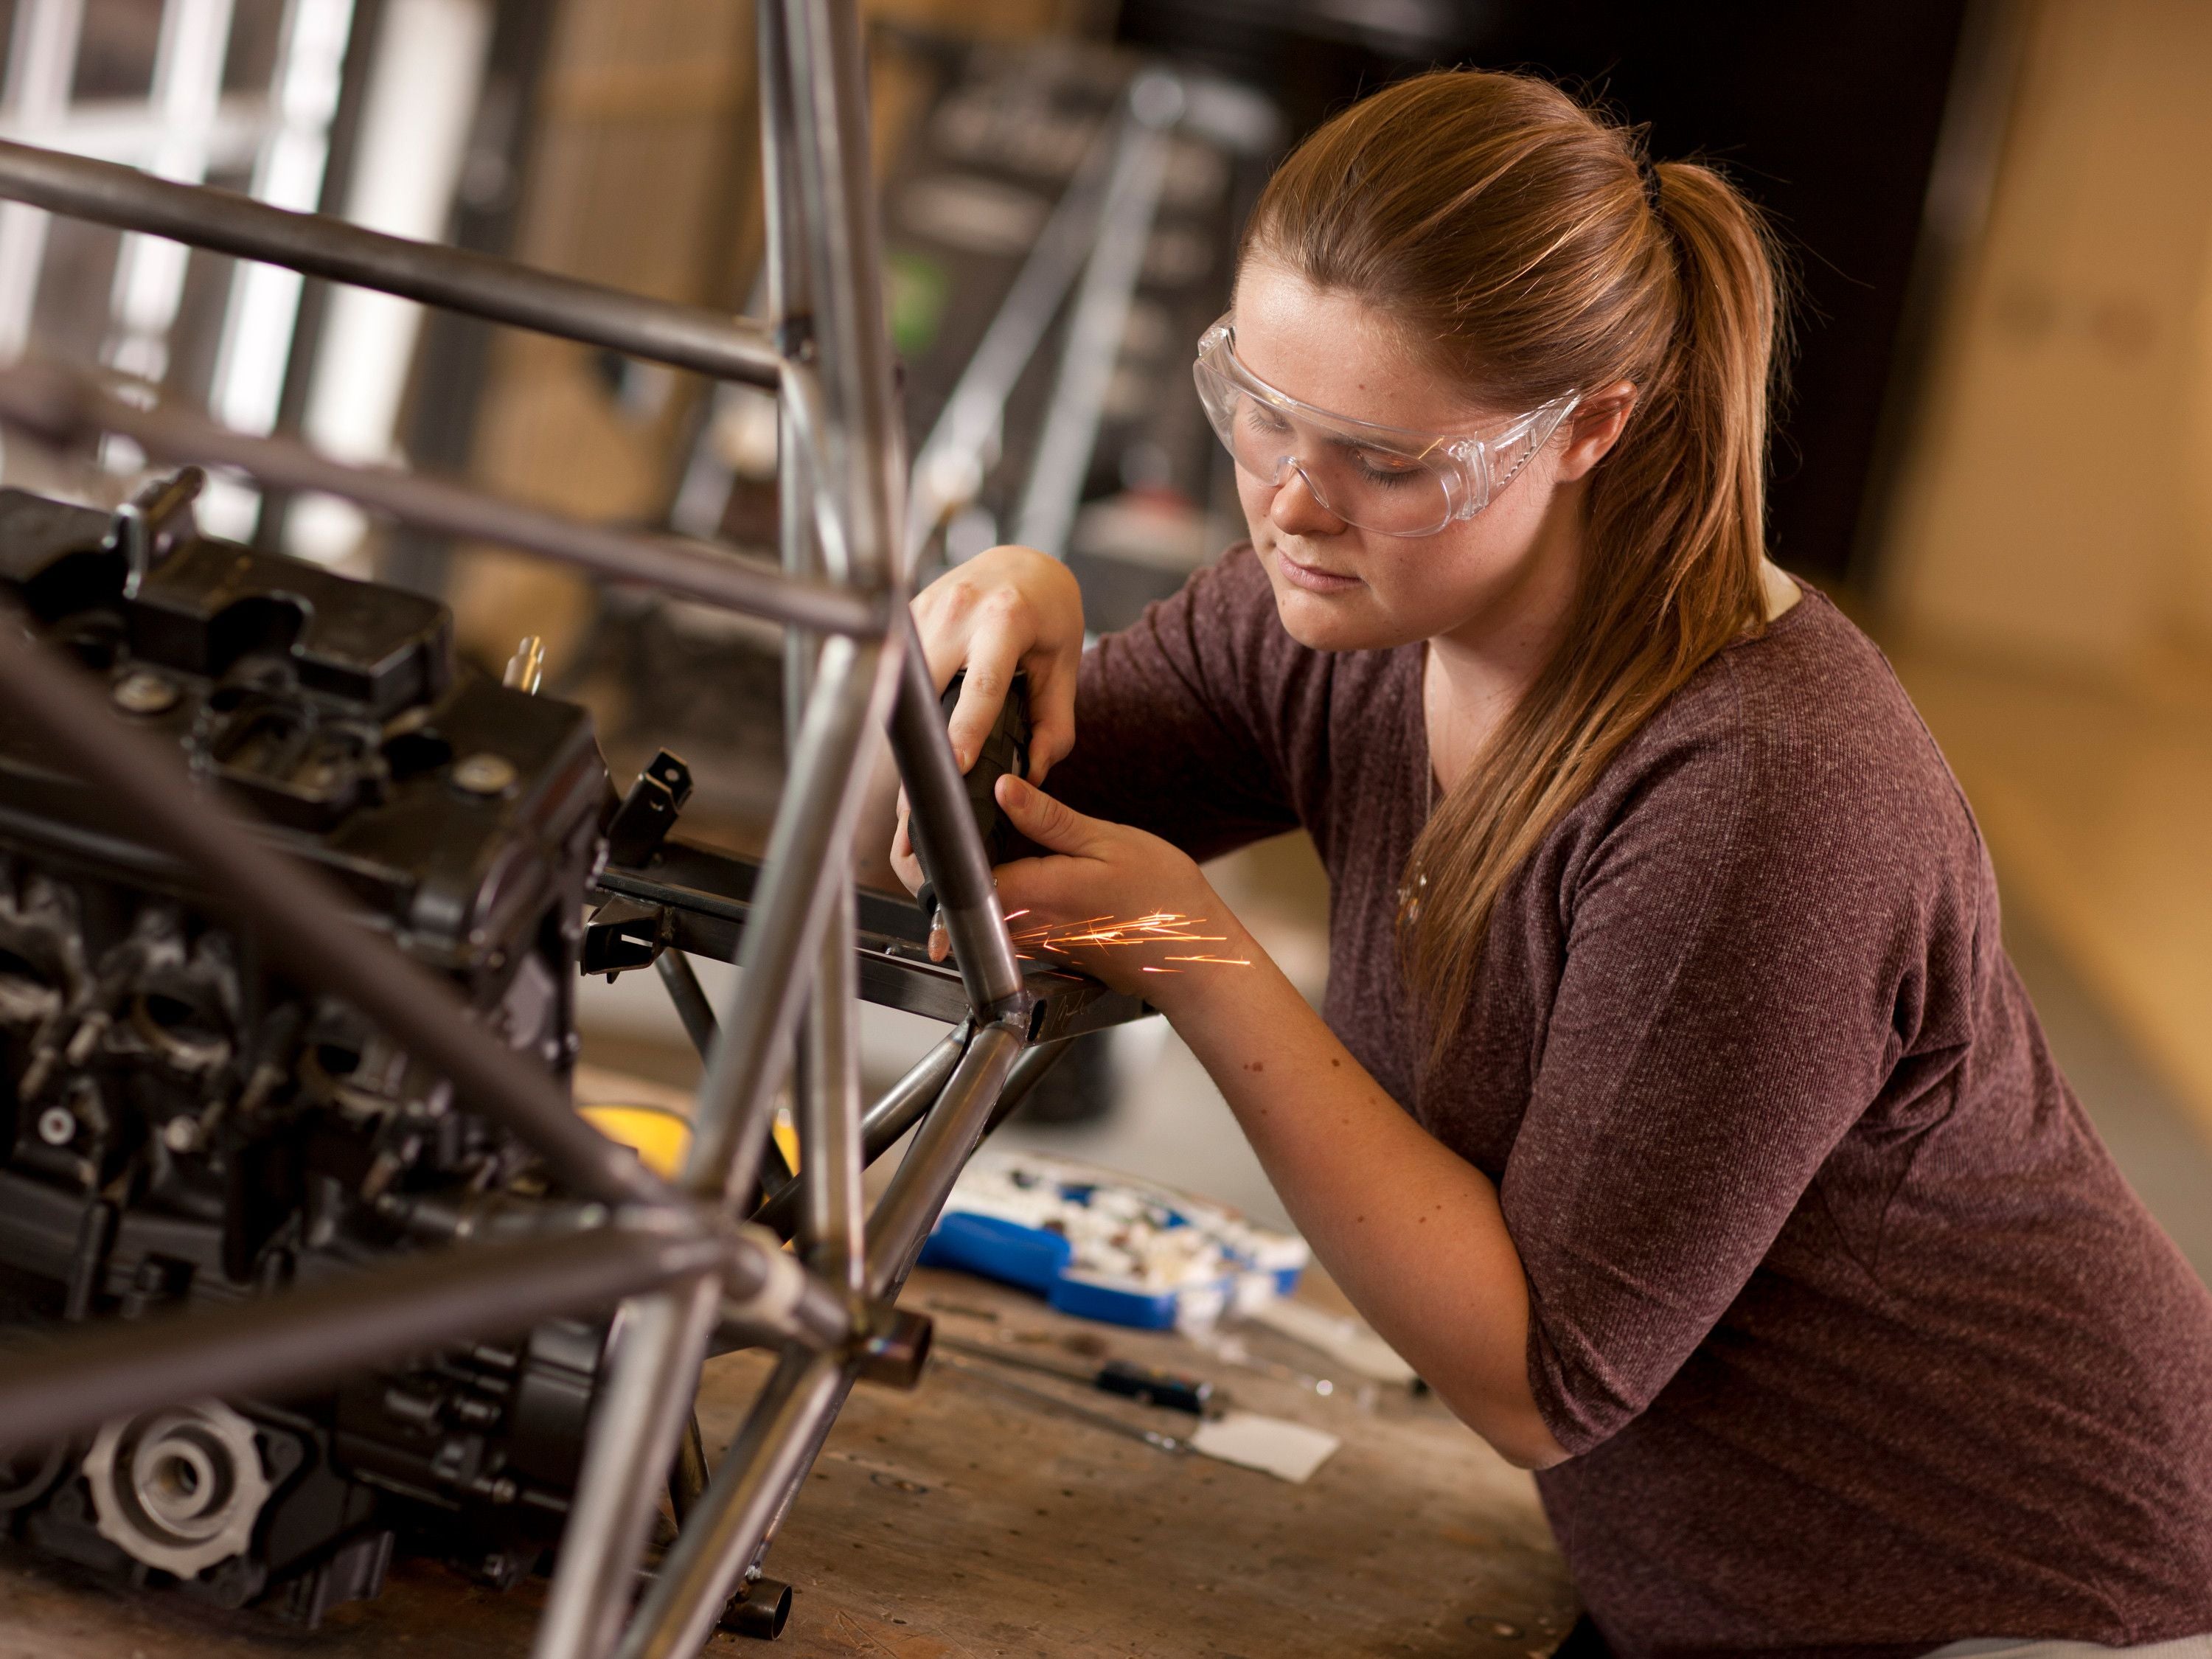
column 1596, row 426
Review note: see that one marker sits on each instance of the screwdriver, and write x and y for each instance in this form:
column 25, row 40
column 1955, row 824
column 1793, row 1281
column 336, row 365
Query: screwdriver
column 1154, row 1388
column 1153, row 1438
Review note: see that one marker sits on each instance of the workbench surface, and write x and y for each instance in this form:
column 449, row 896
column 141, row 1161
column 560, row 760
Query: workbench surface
column 958, row 1519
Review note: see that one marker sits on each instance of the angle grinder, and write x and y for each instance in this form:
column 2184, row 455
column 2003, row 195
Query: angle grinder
column 1005, row 750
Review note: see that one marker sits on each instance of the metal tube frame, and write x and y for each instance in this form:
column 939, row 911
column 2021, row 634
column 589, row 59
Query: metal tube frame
column 672, row 1253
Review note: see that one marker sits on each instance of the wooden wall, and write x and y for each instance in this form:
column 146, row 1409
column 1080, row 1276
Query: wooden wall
column 2057, row 505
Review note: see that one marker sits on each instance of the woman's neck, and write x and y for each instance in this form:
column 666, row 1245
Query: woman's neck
column 1474, row 674
column 1473, row 677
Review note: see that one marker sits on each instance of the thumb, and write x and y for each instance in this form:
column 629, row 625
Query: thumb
column 1052, row 825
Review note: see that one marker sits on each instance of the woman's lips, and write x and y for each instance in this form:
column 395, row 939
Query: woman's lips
column 1312, row 578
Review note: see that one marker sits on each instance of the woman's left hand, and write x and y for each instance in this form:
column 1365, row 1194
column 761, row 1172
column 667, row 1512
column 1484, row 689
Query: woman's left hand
column 1107, row 877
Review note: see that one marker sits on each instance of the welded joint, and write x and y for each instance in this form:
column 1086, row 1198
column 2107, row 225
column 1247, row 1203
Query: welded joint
column 890, row 1345
column 783, row 1285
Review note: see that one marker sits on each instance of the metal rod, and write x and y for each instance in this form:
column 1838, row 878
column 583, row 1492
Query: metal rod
column 636, row 1426
column 862, row 449
column 807, row 855
column 689, row 996
column 909, row 1206
column 1092, row 342
column 687, row 1476
column 956, row 458
column 307, row 922
column 1034, row 1063
column 63, row 408
column 918, row 1090
column 937, row 798
column 905, row 1101
column 898, row 1110
column 1029, row 1071
column 302, row 1338
column 829, row 1138
column 702, row 1570
column 689, row 336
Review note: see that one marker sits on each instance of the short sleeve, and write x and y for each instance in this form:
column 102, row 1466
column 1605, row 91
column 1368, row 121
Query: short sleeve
column 1179, row 717
column 1737, row 945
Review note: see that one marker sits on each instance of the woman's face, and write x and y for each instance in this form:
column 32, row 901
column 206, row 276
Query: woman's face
column 1338, row 587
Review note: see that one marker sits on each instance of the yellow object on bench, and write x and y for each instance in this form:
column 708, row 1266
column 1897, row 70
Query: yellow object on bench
column 660, row 1137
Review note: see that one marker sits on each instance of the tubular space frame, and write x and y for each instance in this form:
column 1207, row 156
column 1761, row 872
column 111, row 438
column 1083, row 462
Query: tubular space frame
column 673, row 1250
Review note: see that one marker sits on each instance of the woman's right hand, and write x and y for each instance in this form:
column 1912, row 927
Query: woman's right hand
column 1008, row 610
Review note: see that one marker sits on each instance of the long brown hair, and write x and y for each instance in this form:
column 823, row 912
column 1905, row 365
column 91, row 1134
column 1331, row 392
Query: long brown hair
column 1528, row 245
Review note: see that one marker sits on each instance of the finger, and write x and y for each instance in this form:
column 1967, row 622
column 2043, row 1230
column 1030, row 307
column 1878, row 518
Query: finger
column 905, row 864
column 1051, row 825
column 992, row 658
column 1052, row 714
column 943, row 624
column 940, row 940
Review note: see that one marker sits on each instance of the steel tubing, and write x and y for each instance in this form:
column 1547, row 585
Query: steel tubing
column 62, row 408
column 898, row 1110
column 687, row 337
column 829, row 1137
column 702, row 1570
column 937, row 798
column 909, row 1206
column 692, row 1007
column 1100, row 317
column 309, row 923
column 963, row 445
column 1029, row 1071
column 302, row 1338
column 637, row 1425
column 807, row 858
column 824, row 96
column 918, row 1090
column 1026, row 1073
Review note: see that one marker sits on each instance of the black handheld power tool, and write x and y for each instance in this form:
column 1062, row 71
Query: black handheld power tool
column 1005, row 750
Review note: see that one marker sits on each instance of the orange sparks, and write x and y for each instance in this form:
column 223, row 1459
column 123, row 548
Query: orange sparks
column 1159, row 928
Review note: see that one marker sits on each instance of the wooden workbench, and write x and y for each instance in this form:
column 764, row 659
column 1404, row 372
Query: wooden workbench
column 959, row 1521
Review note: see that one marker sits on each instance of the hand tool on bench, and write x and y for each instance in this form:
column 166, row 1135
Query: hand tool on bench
column 1119, row 1377
column 1159, row 1442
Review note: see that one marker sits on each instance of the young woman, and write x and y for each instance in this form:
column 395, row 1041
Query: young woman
column 1674, row 1109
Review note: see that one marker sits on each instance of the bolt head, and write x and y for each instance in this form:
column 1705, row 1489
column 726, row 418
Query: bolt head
column 57, row 1125
column 181, row 1134
column 143, row 692
column 484, row 775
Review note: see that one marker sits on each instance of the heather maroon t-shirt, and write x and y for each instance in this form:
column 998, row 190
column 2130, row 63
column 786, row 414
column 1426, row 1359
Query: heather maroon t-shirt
column 1857, row 1340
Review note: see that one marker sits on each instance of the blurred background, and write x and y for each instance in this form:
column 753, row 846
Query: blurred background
column 1996, row 453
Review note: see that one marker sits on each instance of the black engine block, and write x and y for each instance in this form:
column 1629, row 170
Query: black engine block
column 181, row 1123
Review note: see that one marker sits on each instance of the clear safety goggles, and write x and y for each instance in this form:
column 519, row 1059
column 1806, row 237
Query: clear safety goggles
column 1381, row 478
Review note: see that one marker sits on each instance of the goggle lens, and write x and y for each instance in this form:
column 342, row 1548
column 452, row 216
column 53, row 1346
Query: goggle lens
column 1375, row 489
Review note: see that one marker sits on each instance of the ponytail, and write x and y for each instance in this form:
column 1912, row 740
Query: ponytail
column 1495, row 216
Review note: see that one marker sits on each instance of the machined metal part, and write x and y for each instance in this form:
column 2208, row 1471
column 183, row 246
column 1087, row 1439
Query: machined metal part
column 178, row 1490
column 292, row 909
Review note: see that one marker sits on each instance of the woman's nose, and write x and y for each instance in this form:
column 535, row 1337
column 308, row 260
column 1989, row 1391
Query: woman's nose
column 1296, row 511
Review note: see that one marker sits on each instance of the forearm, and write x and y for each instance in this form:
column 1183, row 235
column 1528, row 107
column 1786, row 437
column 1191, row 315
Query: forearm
column 1412, row 1232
